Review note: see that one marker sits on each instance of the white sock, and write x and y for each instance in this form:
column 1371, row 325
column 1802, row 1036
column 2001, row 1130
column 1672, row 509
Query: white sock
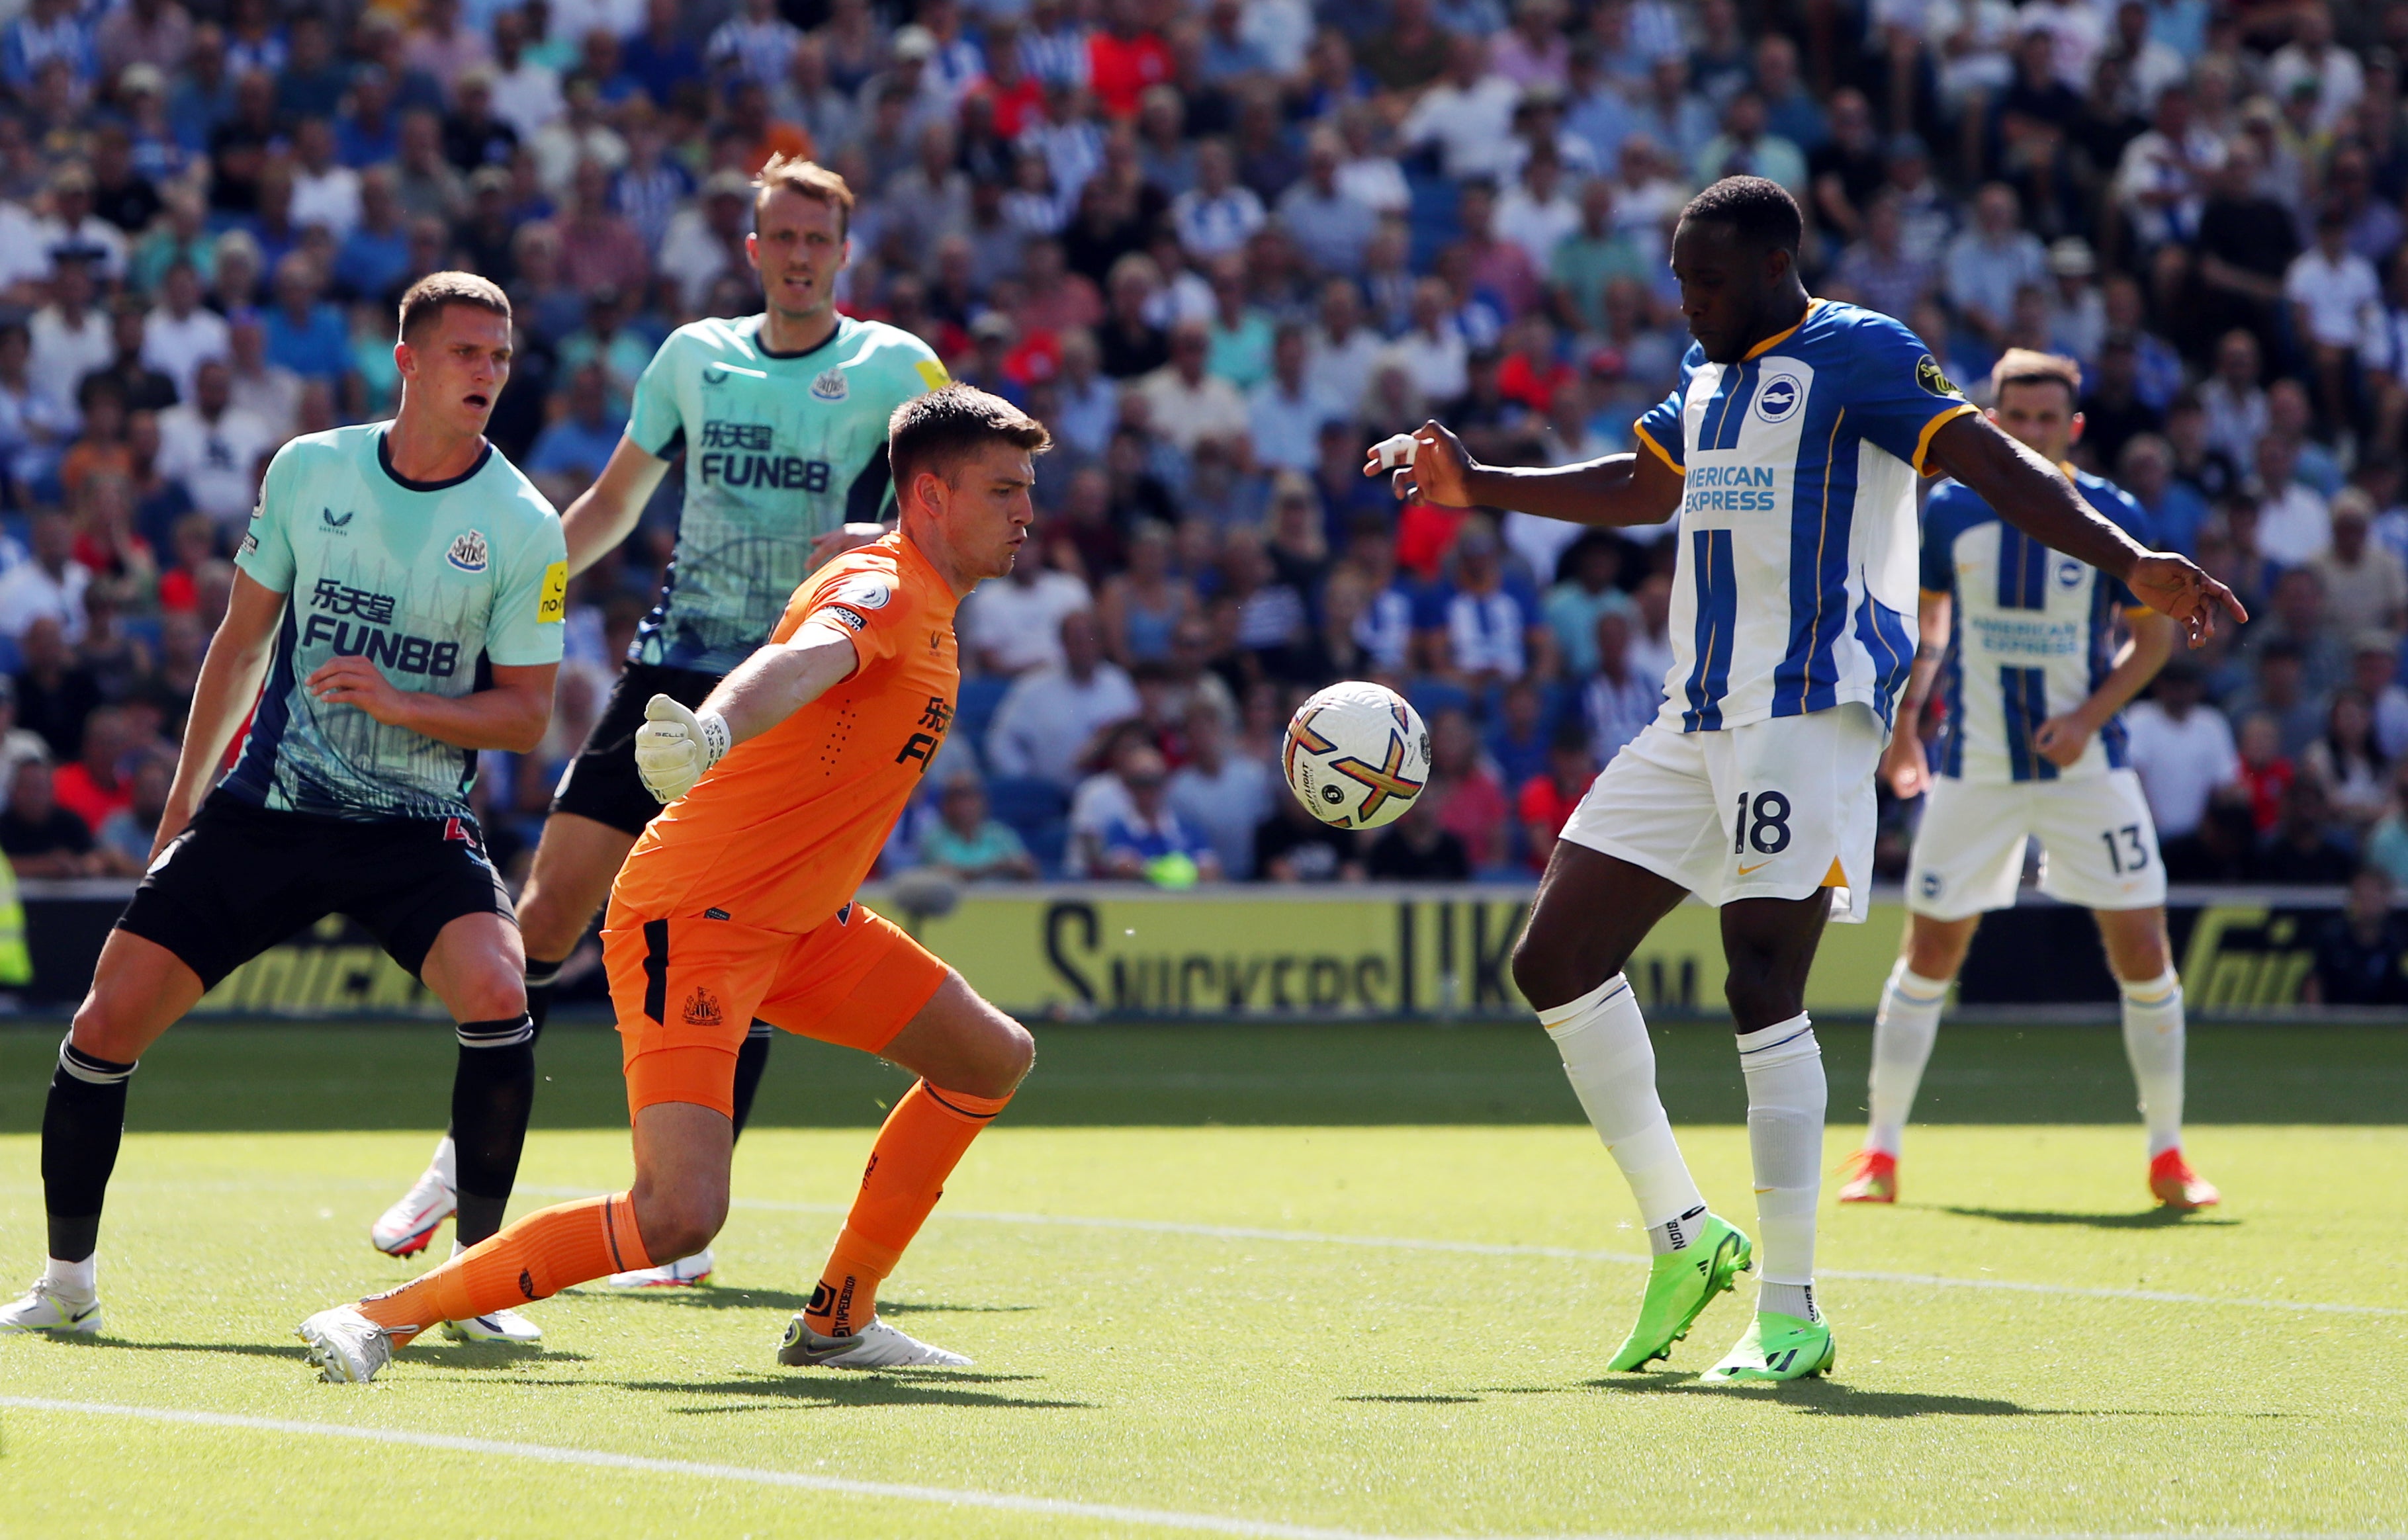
column 1786, row 1097
column 1612, row 1066
column 446, row 1162
column 2153, row 1041
column 75, row 1280
column 1903, row 1030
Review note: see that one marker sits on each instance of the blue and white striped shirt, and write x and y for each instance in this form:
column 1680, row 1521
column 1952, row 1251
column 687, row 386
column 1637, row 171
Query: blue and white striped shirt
column 2031, row 633
column 1795, row 589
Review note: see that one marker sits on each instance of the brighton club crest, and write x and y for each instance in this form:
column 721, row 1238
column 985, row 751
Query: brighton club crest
column 830, row 385
column 467, row 553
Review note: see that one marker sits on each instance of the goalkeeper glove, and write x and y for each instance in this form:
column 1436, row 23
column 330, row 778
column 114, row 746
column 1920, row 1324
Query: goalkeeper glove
column 675, row 747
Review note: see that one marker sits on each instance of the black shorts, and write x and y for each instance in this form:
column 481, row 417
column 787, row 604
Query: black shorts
column 601, row 783
column 241, row 878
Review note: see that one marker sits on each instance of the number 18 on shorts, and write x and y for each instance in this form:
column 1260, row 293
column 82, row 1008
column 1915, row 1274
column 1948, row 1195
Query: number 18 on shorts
column 1777, row 808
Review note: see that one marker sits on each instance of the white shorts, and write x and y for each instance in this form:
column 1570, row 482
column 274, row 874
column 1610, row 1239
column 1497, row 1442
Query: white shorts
column 2098, row 847
column 1774, row 809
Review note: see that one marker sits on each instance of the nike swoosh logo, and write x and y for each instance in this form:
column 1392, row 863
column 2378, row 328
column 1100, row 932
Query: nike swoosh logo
column 1757, row 867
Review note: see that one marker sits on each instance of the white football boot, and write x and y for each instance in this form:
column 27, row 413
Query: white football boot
column 684, row 1272
column 876, row 1345
column 411, row 1223
column 495, row 1326
column 347, row 1347
column 44, row 1308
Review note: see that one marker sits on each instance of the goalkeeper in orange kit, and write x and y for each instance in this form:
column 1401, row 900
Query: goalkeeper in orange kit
column 737, row 903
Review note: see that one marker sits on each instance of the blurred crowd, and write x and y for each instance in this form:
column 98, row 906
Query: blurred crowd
column 1219, row 248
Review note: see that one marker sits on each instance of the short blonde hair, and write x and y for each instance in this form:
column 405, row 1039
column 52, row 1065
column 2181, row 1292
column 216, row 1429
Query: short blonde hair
column 2028, row 366
column 430, row 296
column 806, row 178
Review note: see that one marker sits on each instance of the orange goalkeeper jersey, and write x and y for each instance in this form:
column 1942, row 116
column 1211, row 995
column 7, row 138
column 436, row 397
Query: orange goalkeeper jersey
column 780, row 833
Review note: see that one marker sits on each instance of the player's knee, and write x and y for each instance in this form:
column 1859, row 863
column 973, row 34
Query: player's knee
column 108, row 1024
column 678, row 1220
column 1550, row 974
column 1015, row 1052
column 1760, row 995
column 1007, row 1050
column 493, row 993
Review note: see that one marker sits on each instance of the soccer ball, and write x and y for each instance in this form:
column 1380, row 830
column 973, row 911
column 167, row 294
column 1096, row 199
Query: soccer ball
column 1357, row 755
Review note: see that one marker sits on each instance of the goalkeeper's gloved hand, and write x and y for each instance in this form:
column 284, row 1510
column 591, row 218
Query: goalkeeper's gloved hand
column 675, row 747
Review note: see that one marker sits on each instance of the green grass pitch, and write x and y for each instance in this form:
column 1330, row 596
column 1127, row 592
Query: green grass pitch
column 1257, row 1281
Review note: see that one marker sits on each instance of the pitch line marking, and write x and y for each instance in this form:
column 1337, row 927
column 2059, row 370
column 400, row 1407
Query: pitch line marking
column 1559, row 1253
column 1050, row 1507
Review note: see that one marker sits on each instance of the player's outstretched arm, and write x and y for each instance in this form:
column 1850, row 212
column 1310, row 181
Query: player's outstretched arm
column 227, row 686
column 675, row 746
column 1616, row 491
column 606, row 512
column 2061, row 739
column 2032, row 495
column 510, row 715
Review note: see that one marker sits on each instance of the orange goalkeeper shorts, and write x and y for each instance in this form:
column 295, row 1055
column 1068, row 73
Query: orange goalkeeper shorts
column 686, row 989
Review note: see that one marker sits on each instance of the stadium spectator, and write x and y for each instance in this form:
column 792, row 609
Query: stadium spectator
column 965, row 843
column 1292, row 845
column 2182, row 749
column 2302, row 850
column 48, row 587
column 1046, row 726
column 213, row 448
column 1221, row 792
column 1545, row 803
column 1417, row 848
column 41, row 838
column 1015, row 624
column 95, row 784
column 2361, row 953
column 1147, row 841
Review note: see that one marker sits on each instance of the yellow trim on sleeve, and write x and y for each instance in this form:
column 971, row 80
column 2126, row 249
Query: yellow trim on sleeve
column 1923, row 440
column 1777, row 338
column 1648, row 439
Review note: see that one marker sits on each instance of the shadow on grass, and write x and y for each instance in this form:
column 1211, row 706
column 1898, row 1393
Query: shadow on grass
column 2151, row 1219
column 296, row 1352
column 1829, row 1398
column 1415, row 1400
column 891, row 1388
column 709, row 1297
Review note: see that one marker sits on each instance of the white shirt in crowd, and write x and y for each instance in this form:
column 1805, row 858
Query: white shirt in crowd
column 1048, row 718
column 330, row 197
column 529, row 97
column 28, row 592
column 1474, row 126
column 66, row 353
column 2344, row 300
column 1224, row 808
column 2181, row 763
column 218, row 463
column 177, row 349
column 2294, row 525
column 1017, row 626
column 1537, row 226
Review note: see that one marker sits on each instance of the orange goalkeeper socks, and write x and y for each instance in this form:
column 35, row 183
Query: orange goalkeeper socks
column 533, row 1259
column 924, row 1139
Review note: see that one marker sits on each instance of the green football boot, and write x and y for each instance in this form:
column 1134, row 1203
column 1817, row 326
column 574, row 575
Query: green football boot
column 1776, row 1348
column 1679, row 1285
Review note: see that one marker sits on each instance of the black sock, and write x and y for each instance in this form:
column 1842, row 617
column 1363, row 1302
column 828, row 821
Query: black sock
column 540, row 977
column 492, row 1092
column 83, row 1123
column 751, row 1060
